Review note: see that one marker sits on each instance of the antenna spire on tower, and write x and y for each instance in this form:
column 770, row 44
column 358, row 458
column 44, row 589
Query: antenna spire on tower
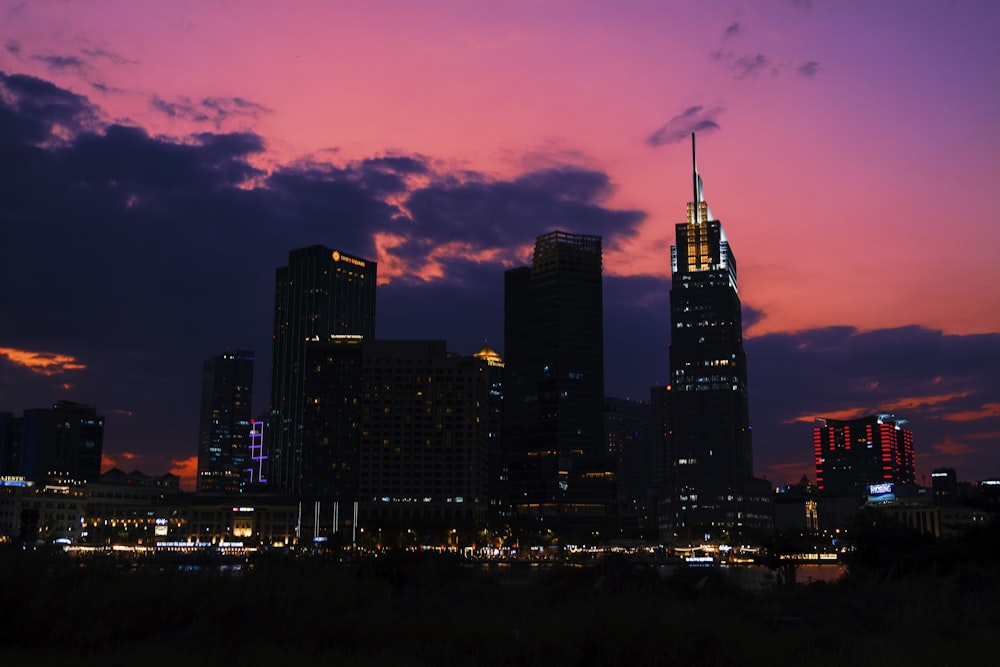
column 694, row 177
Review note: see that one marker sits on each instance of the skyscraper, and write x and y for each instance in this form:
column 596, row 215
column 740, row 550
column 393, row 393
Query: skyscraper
column 224, row 432
column 854, row 454
column 424, row 435
column 494, row 446
column 331, row 420
column 10, row 443
column 400, row 427
column 553, row 433
column 65, row 443
column 321, row 294
column 710, row 482
column 630, row 443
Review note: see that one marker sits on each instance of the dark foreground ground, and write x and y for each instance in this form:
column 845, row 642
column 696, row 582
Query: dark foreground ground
column 411, row 609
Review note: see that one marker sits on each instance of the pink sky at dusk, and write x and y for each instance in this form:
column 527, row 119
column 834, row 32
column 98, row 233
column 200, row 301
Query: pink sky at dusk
column 846, row 187
column 849, row 147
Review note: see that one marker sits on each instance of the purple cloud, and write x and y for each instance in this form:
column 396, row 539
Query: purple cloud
column 680, row 127
column 809, row 69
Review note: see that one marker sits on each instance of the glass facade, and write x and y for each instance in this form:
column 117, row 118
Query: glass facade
column 709, row 476
column 555, row 455
column 224, row 433
column 321, row 294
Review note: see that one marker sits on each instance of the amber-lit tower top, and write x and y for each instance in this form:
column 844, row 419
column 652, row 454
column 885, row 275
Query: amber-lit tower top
column 701, row 244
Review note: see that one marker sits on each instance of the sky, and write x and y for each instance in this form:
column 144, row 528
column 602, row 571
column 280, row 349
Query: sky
column 158, row 162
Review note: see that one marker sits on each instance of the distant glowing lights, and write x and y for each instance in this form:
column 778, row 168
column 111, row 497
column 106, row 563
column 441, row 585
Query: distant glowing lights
column 338, row 257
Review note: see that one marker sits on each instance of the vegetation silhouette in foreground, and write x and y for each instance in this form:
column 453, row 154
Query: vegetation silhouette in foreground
column 903, row 598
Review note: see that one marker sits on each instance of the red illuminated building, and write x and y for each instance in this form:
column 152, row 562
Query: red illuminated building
column 853, row 454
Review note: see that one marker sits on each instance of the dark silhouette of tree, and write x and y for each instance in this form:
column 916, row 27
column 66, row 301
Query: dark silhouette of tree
column 886, row 550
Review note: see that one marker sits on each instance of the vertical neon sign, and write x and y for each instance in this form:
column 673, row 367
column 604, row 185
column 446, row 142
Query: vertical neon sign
column 257, row 449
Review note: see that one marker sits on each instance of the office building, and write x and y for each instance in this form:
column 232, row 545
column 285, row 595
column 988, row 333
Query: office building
column 944, row 484
column 559, row 471
column 627, row 427
column 796, row 508
column 10, row 443
column 659, row 396
column 224, row 464
column 331, row 420
column 424, row 436
column 710, row 485
column 63, row 443
column 320, row 295
column 497, row 487
column 396, row 431
column 854, row 455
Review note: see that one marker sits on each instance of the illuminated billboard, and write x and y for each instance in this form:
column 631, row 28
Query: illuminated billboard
column 882, row 492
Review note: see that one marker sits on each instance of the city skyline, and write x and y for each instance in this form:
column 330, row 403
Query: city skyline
column 159, row 165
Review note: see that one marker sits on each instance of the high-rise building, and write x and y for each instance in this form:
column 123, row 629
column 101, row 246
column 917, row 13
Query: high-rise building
column 10, row 443
column 65, row 443
column 944, row 484
column 854, row 455
column 630, row 444
column 224, row 462
column 497, row 476
column 424, row 435
column 331, row 420
column 399, row 431
column 710, row 485
column 659, row 396
column 320, row 295
column 553, row 434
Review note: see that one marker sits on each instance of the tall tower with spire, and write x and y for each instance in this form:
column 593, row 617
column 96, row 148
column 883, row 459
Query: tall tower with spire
column 709, row 486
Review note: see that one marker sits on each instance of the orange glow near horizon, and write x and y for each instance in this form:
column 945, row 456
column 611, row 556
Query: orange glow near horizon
column 431, row 269
column 952, row 448
column 109, row 460
column 43, row 363
column 909, row 403
column 389, row 266
column 187, row 470
column 988, row 410
column 844, row 414
column 914, row 402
